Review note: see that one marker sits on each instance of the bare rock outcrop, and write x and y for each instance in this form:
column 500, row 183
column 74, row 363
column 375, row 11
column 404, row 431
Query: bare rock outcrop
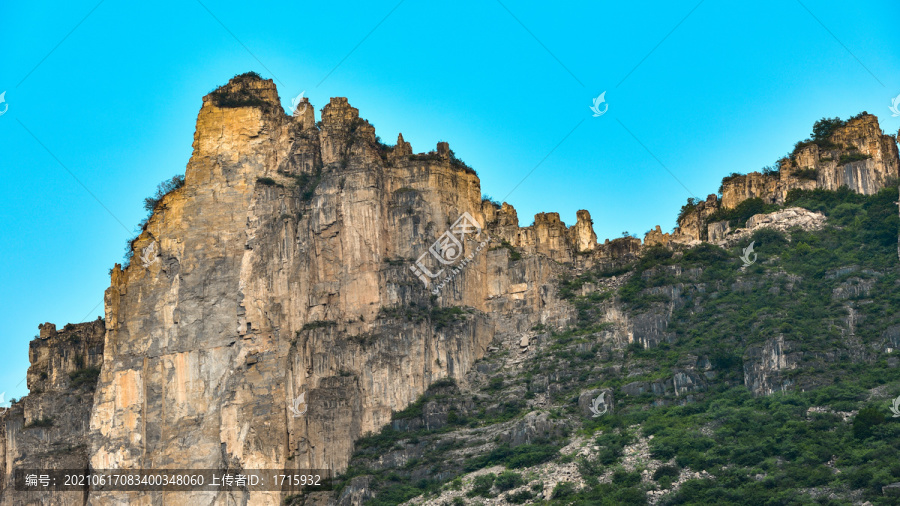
column 283, row 267
column 783, row 221
column 856, row 155
column 48, row 429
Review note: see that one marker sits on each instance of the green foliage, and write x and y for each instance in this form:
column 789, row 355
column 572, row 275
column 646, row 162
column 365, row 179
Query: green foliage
column 514, row 458
column 508, row 480
column 481, row 485
column 307, row 183
column 267, row 181
column 771, row 170
column 624, row 478
column 84, row 376
column 865, row 422
column 432, row 156
column 513, row 252
column 318, row 324
column 563, row 490
column 240, row 96
column 492, row 200
column 520, row 497
column 825, row 127
column 163, row 189
column 666, row 471
column 459, row 164
column 440, row 317
column 611, row 446
column 809, row 174
column 686, row 209
column 150, row 203
column 738, row 216
column 734, row 176
column 40, row 423
column 852, row 157
column 445, row 316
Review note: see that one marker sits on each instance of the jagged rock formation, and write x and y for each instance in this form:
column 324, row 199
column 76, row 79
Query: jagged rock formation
column 856, row 155
column 282, row 267
column 304, row 258
column 48, row 429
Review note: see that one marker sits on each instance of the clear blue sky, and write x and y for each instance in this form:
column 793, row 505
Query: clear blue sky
column 731, row 88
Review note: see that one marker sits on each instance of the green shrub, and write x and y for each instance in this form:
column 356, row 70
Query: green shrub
column 240, row 97
column 481, row 485
column 445, row 316
column 563, row 490
column 520, row 497
column 738, row 216
column 810, row 174
column 526, row 455
column 508, row 480
column 513, row 252
column 865, row 422
column 623, row 478
column 84, row 376
column 734, row 176
column 318, row 324
column 163, row 189
column 666, row 471
column 40, row 423
column 825, row 127
column 852, row 157
column 686, row 209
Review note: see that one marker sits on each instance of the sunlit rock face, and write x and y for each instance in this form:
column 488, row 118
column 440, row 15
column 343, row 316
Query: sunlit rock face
column 283, row 267
column 857, row 155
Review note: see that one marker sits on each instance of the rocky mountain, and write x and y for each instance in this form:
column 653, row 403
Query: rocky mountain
column 308, row 297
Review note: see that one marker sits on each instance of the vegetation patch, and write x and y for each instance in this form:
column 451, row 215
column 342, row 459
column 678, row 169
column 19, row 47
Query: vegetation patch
column 38, row 423
column 319, row 324
column 85, row 376
column 853, row 157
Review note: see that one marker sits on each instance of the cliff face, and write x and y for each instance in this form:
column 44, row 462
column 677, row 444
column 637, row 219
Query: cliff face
column 309, row 259
column 283, row 267
column 48, row 429
column 856, row 155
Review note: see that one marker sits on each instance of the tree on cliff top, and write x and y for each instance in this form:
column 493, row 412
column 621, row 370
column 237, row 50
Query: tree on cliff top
column 162, row 190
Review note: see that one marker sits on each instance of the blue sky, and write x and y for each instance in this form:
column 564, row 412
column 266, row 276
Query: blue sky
column 102, row 100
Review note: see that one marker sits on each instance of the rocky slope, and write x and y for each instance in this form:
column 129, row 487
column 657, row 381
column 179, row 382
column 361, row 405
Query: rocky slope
column 308, row 260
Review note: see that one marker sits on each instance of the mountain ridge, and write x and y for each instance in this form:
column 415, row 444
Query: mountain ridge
column 285, row 265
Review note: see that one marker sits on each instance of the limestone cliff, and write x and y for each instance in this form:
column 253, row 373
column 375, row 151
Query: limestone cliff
column 856, row 155
column 308, row 260
column 281, row 268
column 48, row 429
